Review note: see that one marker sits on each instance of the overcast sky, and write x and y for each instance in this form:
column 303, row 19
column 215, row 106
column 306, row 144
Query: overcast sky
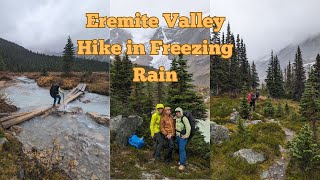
column 269, row 24
column 264, row 25
column 45, row 25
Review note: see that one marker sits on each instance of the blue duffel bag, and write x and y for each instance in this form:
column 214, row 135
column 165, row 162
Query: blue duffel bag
column 135, row 141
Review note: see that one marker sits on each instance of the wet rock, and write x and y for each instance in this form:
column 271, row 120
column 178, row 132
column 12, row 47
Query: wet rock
column 16, row 129
column 234, row 116
column 99, row 118
column 218, row 133
column 75, row 110
column 2, row 141
column 86, row 101
column 12, row 133
column 124, row 127
column 251, row 156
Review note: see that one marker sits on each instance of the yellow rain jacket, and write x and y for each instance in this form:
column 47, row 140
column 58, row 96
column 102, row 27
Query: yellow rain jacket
column 155, row 121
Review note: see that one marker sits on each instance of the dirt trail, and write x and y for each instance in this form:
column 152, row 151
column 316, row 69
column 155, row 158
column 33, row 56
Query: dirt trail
column 278, row 169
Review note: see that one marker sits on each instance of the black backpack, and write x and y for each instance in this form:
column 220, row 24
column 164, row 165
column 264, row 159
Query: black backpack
column 192, row 123
column 54, row 90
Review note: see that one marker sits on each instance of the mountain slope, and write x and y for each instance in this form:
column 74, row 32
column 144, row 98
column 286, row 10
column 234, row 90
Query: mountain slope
column 17, row 58
column 198, row 65
column 310, row 47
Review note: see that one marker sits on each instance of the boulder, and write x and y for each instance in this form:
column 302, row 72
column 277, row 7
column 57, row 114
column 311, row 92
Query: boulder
column 234, row 116
column 251, row 156
column 218, row 133
column 124, row 127
column 104, row 120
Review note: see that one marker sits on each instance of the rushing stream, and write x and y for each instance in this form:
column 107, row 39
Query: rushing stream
column 81, row 139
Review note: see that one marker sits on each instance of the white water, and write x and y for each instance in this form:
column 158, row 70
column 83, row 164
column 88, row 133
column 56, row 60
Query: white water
column 81, row 138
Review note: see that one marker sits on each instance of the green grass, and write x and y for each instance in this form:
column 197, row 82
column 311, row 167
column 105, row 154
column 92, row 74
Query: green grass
column 131, row 163
column 264, row 138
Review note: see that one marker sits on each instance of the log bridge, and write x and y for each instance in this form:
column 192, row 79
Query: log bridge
column 11, row 119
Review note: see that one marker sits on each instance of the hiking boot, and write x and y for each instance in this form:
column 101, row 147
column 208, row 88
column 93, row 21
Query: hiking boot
column 181, row 168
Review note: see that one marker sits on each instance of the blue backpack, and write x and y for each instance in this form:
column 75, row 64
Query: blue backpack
column 135, row 141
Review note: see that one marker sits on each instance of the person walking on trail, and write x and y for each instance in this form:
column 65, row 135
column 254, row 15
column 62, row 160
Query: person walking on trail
column 54, row 92
column 183, row 130
column 252, row 100
column 168, row 130
column 156, row 132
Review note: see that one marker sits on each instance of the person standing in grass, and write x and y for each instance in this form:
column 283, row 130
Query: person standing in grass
column 156, row 132
column 183, row 130
column 168, row 130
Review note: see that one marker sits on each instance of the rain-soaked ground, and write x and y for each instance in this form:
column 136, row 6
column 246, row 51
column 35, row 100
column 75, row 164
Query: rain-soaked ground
column 84, row 144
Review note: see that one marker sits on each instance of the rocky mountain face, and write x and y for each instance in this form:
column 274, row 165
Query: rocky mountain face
column 198, row 65
column 310, row 47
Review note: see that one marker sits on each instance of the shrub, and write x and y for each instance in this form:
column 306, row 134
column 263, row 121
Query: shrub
column 268, row 109
column 304, row 152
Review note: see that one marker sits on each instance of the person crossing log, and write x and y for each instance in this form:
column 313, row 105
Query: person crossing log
column 17, row 118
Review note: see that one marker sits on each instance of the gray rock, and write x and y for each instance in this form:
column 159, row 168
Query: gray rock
column 101, row 119
column 218, row 133
column 251, row 156
column 234, row 116
column 124, row 127
column 252, row 122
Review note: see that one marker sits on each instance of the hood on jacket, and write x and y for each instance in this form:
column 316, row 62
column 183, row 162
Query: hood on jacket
column 179, row 110
column 159, row 106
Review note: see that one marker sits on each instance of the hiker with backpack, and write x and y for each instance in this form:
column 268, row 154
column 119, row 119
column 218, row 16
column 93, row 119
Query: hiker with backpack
column 156, row 132
column 168, row 130
column 54, row 92
column 183, row 131
column 252, row 100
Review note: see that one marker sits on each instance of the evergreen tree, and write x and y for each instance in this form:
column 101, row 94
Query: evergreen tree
column 299, row 76
column 184, row 95
column 303, row 151
column 278, row 79
column 288, row 82
column 244, row 105
column 244, row 65
column 270, row 75
column 234, row 71
column 121, row 85
column 68, row 57
column 218, row 69
column 315, row 73
column 268, row 110
column 2, row 64
column 126, row 77
column 274, row 80
column 254, row 77
column 310, row 106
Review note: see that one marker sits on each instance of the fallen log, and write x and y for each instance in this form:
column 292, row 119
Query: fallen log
column 13, row 116
column 18, row 120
